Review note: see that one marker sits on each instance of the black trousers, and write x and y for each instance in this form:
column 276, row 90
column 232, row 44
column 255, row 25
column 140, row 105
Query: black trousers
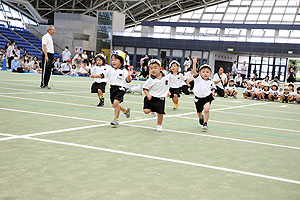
column 9, row 61
column 46, row 69
column 220, row 92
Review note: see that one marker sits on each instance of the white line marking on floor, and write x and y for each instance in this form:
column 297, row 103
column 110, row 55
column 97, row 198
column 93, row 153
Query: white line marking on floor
column 145, row 127
column 283, row 106
column 262, row 116
column 168, row 160
column 249, row 125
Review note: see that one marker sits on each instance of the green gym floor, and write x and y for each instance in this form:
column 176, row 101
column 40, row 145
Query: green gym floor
column 56, row 144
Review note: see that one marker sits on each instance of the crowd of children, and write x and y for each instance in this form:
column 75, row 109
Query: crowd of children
column 262, row 90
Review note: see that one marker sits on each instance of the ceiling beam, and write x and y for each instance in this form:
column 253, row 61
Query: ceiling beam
column 95, row 7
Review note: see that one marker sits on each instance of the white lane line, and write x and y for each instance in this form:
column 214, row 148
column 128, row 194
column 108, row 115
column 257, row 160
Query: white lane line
column 219, row 137
column 283, row 106
column 274, row 110
column 65, row 103
column 169, row 130
column 168, row 160
column 6, row 93
column 249, row 125
column 262, row 116
column 53, row 115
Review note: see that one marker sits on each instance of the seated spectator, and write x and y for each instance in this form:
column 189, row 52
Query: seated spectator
column 220, row 80
column 244, row 83
column 144, row 73
column 84, row 69
column 74, row 71
column 266, row 80
column 77, row 60
column 238, row 80
column 57, row 63
column 26, row 65
column 276, row 80
column 16, row 65
column 254, row 77
column 230, row 90
column 66, row 68
column 133, row 76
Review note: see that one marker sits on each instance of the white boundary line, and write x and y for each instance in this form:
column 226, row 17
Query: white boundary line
column 168, row 160
column 263, row 116
column 145, row 127
column 249, row 125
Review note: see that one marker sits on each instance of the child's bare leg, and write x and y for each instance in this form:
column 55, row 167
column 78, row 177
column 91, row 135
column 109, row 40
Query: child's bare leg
column 226, row 92
column 199, row 115
column 206, row 111
column 175, row 99
column 235, row 93
column 291, row 98
column 123, row 109
column 116, row 106
column 100, row 93
column 147, row 111
column 246, row 95
column 159, row 119
column 298, row 99
column 281, row 97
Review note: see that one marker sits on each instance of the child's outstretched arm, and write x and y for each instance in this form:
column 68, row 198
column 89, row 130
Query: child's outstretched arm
column 194, row 70
column 147, row 94
column 128, row 78
column 97, row 75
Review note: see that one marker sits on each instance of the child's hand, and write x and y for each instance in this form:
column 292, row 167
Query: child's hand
column 130, row 72
column 169, row 94
column 195, row 60
column 149, row 97
column 93, row 76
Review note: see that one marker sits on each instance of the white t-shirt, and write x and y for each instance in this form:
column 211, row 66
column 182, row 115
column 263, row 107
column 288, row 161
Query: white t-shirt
column 216, row 78
column 230, row 88
column 243, row 69
column 176, row 81
column 257, row 90
column 97, row 70
column 117, row 77
column 202, row 88
column 127, row 62
column 158, row 87
column 188, row 76
column 66, row 55
column 247, row 90
column 237, row 79
column 274, row 92
column 47, row 40
column 82, row 70
column 73, row 71
column 84, row 56
column 10, row 51
column 65, row 67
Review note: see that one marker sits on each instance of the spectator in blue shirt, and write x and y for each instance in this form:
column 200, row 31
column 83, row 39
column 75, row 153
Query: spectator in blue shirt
column 16, row 65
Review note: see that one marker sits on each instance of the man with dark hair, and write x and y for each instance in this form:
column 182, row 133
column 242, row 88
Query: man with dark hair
column 47, row 58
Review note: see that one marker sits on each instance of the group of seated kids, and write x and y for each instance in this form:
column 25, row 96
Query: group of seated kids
column 272, row 92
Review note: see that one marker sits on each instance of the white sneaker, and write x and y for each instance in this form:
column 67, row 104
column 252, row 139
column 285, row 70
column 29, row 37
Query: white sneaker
column 159, row 128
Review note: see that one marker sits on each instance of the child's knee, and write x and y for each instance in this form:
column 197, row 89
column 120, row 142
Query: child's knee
column 206, row 110
column 147, row 111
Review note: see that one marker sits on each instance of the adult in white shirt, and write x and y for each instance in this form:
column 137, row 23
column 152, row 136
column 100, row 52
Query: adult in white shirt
column 238, row 80
column 234, row 69
column 220, row 79
column 187, row 63
column 84, row 55
column 66, row 54
column 48, row 55
column 243, row 69
column 10, row 53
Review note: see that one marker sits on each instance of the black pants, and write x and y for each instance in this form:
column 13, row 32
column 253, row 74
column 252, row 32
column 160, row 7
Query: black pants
column 243, row 76
column 19, row 70
column 46, row 69
column 9, row 61
column 220, row 92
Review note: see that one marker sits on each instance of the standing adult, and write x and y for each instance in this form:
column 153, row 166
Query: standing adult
column 127, row 59
column 291, row 73
column 234, row 70
column 220, row 80
column 10, row 53
column 187, row 63
column 243, row 69
column 66, row 54
column 47, row 58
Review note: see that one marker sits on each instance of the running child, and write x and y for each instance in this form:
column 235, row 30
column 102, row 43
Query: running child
column 249, row 91
column 176, row 80
column 266, row 91
column 188, row 86
column 118, row 78
column 156, row 89
column 202, row 91
column 274, row 92
column 100, row 83
column 230, row 89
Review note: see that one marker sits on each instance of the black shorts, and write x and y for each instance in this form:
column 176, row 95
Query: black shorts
column 96, row 86
column 185, row 90
column 117, row 92
column 175, row 91
column 155, row 104
column 230, row 93
column 291, row 79
column 200, row 102
column 65, row 72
